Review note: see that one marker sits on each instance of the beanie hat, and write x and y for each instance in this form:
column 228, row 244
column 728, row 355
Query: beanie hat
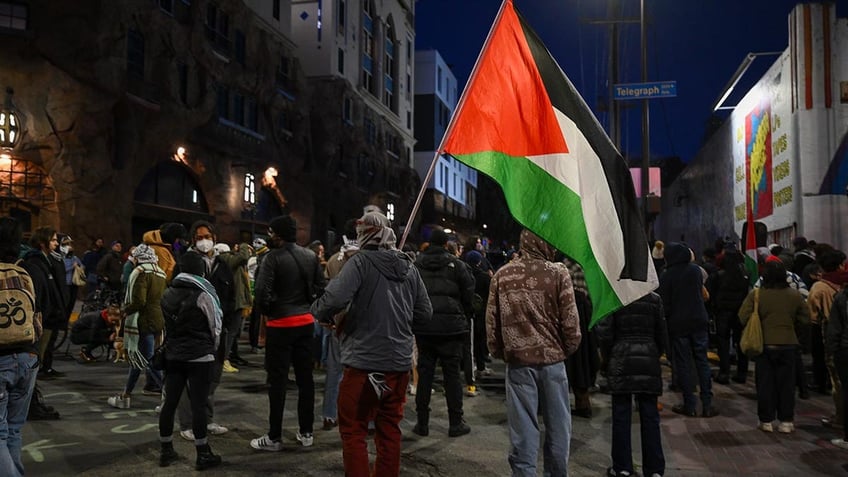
column 439, row 237
column 474, row 257
column 284, row 227
column 658, row 252
column 193, row 263
column 171, row 231
column 799, row 242
column 221, row 248
column 143, row 253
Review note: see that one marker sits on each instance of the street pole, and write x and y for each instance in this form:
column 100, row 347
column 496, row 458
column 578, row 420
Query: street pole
column 646, row 146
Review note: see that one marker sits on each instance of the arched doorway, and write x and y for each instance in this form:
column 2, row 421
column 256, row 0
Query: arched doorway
column 25, row 189
column 168, row 193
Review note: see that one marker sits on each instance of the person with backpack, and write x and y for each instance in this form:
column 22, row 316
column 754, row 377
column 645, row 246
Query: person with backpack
column 728, row 288
column 18, row 349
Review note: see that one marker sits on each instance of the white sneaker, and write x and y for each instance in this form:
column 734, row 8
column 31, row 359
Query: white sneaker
column 187, row 434
column 265, row 443
column 841, row 443
column 766, row 427
column 305, row 439
column 785, row 427
column 216, row 429
column 120, row 401
column 412, row 390
column 157, row 409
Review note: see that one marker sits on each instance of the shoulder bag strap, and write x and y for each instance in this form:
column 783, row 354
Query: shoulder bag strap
column 303, row 275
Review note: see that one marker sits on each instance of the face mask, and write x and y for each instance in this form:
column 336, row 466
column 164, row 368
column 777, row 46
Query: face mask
column 65, row 249
column 204, row 245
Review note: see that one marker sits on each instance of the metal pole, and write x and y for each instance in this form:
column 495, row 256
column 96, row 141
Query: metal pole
column 646, row 146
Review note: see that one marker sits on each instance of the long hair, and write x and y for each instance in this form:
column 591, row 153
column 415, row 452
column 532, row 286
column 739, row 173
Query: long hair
column 11, row 234
column 41, row 238
column 774, row 275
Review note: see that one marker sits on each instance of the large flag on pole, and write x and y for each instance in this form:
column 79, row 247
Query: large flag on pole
column 521, row 122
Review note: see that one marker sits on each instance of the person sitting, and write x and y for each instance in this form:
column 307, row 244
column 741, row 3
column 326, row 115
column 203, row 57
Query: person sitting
column 96, row 328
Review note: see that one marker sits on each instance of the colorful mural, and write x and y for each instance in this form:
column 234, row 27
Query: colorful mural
column 758, row 160
column 836, row 179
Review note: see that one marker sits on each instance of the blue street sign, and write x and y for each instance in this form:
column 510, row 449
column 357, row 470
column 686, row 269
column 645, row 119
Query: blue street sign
column 656, row 89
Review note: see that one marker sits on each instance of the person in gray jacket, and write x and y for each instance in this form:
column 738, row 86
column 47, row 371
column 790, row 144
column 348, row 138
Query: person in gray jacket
column 373, row 304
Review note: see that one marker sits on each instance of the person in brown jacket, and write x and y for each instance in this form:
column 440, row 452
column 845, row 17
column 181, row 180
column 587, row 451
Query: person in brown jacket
column 532, row 324
column 780, row 308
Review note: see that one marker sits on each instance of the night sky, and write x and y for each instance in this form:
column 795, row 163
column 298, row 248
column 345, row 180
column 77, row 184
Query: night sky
column 698, row 43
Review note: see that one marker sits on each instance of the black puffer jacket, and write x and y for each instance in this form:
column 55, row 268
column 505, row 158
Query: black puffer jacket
column 280, row 287
column 186, row 326
column 631, row 341
column 681, row 290
column 729, row 287
column 450, row 287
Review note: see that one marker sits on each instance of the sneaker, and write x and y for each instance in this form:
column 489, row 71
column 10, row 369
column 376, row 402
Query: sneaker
column 267, row 444
column 229, row 368
column 238, row 361
column 421, row 429
column 680, row 409
column 459, row 430
column 785, row 427
column 841, row 443
column 765, row 427
column 157, row 409
column 831, row 422
column 187, row 434
column 483, row 372
column 152, row 391
column 85, row 357
column 412, row 390
column 120, row 401
column 216, row 429
column 329, row 423
column 305, row 439
column 471, row 391
column 710, row 412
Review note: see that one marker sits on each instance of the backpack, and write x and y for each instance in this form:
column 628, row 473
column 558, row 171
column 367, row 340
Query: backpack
column 19, row 323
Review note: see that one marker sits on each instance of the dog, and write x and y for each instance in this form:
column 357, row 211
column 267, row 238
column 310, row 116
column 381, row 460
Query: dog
column 120, row 352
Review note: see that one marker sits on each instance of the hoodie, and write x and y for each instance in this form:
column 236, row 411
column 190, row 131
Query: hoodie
column 450, row 286
column 386, row 298
column 681, row 291
column 153, row 238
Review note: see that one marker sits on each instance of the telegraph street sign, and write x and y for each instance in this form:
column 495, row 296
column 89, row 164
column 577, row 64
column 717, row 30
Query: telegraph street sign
column 656, row 89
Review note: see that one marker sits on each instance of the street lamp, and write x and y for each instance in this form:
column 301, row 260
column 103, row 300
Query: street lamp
column 9, row 123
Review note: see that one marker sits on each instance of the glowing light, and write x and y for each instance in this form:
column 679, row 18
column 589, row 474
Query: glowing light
column 448, row 231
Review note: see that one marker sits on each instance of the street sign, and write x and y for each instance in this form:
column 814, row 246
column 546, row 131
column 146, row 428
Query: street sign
column 656, row 89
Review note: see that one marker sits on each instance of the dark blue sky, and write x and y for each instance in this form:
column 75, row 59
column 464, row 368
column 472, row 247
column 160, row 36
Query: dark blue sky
column 698, row 43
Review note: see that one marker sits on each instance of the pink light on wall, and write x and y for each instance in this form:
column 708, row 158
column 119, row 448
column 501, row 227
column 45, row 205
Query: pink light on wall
column 654, row 182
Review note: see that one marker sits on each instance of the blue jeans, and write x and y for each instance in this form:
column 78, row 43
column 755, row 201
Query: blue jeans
column 334, row 377
column 146, row 343
column 684, row 350
column 653, row 459
column 529, row 391
column 17, row 380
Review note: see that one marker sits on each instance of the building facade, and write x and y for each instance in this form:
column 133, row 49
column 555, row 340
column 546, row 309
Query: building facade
column 782, row 156
column 450, row 200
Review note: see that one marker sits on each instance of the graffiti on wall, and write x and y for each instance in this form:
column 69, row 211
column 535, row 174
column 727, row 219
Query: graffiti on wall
column 758, row 161
column 836, row 179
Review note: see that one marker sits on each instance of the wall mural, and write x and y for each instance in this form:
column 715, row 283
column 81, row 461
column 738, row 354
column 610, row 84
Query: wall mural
column 836, row 179
column 758, row 160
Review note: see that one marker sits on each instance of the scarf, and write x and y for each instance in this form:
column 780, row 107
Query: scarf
column 206, row 287
column 131, row 332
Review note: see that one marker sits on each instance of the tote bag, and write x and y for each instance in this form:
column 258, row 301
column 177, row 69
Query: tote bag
column 752, row 336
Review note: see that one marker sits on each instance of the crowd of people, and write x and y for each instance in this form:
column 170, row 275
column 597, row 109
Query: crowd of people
column 378, row 320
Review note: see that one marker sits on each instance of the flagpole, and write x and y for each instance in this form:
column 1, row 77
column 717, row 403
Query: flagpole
column 455, row 114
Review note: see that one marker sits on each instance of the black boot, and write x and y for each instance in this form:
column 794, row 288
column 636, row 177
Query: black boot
column 205, row 458
column 167, row 454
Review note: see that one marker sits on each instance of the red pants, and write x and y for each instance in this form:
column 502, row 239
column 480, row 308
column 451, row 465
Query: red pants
column 359, row 405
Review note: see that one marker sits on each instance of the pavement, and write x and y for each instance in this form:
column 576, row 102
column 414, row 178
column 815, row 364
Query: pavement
column 93, row 439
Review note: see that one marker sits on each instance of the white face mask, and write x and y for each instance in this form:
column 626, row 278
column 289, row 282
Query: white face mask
column 204, row 245
column 64, row 249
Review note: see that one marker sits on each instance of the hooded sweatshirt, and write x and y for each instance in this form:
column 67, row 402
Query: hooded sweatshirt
column 386, row 297
column 153, row 238
column 531, row 314
column 681, row 291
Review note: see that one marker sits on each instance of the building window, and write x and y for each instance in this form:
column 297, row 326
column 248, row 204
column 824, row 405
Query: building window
column 276, row 11
column 135, row 54
column 238, row 109
column 223, row 102
column 389, row 66
column 439, row 79
column 13, row 16
column 341, row 61
column 240, row 42
column 370, row 131
column 249, row 188
column 409, row 120
column 218, row 28
column 252, row 114
column 347, row 111
column 368, row 47
column 283, row 72
column 408, row 85
column 341, row 13
column 182, row 82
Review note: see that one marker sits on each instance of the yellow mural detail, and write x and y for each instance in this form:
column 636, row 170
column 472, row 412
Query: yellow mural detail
column 740, row 174
column 781, row 171
column 779, row 145
column 758, row 156
column 739, row 210
column 783, row 196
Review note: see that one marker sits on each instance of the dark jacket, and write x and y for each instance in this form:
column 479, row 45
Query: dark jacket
column 110, row 268
column 187, row 328
column 281, row 286
column 631, row 342
column 221, row 277
column 681, row 288
column 451, row 290
column 729, row 287
column 91, row 328
column 482, row 280
column 836, row 334
column 51, row 292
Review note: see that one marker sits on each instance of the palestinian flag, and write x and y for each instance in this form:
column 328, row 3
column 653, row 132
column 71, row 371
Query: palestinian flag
column 521, row 122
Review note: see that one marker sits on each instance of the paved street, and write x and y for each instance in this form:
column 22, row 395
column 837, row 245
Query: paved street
column 94, row 439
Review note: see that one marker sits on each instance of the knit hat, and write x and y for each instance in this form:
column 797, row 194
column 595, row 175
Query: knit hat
column 221, row 248
column 799, row 242
column 474, row 258
column 284, row 227
column 115, row 242
column 143, row 253
column 193, row 263
column 171, row 231
column 658, row 253
column 438, row 237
